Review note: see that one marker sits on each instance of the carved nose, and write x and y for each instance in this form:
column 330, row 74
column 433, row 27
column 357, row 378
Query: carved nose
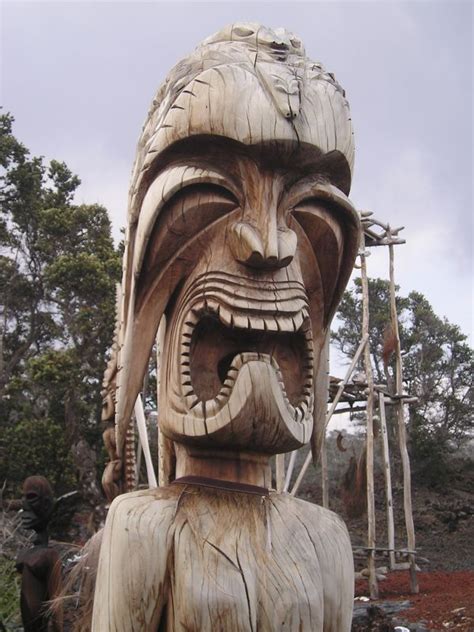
column 252, row 249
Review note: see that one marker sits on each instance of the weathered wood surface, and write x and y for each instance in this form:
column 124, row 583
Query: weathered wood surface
column 222, row 151
column 407, row 504
column 388, row 482
column 371, row 526
column 187, row 558
column 241, row 233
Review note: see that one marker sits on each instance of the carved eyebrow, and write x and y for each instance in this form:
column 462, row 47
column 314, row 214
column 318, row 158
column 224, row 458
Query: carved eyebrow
column 162, row 189
column 312, row 187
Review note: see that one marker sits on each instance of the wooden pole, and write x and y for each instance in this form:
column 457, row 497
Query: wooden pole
column 347, row 377
column 407, row 504
column 300, row 476
column 388, row 483
column 289, row 470
column 324, row 473
column 138, row 462
column 160, row 343
column 145, row 446
column 280, row 472
column 373, row 586
column 335, row 402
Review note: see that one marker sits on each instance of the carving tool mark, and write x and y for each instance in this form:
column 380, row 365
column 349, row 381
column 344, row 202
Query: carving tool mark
column 221, row 552
column 245, row 586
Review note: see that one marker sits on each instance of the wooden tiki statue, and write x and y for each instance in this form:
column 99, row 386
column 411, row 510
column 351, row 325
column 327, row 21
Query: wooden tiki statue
column 241, row 234
column 39, row 565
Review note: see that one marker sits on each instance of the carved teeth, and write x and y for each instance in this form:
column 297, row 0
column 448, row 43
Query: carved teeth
column 212, row 306
column 229, row 381
column 241, row 322
column 284, row 324
column 292, row 410
column 256, row 323
column 225, row 317
column 271, row 324
column 211, row 407
column 225, row 390
column 240, row 319
column 191, row 400
column 298, row 321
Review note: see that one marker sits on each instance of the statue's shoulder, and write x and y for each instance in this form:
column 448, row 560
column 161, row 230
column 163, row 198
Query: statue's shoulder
column 322, row 531
column 144, row 509
column 314, row 517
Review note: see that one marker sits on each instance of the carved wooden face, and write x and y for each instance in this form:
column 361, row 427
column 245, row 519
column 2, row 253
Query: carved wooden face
column 38, row 503
column 254, row 250
column 241, row 233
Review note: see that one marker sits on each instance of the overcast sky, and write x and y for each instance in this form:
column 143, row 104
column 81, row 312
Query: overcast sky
column 79, row 78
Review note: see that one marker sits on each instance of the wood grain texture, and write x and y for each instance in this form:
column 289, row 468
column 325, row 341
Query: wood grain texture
column 198, row 559
column 388, row 482
column 407, row 504
column 242, row 236
column 371, row 524
column 246, row 91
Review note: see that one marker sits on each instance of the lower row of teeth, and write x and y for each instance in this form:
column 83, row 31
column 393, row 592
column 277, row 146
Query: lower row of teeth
column 211, row 407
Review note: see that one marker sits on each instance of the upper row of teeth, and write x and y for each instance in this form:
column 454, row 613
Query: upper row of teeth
column 288, row 322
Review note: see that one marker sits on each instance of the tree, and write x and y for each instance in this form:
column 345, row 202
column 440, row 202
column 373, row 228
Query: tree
column 58, row 269
column 437, row 368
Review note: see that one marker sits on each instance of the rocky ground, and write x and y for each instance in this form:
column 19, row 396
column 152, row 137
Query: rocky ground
column 445, row 602
column 444, row 530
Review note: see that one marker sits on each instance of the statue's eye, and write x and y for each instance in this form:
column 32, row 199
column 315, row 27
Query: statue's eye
column 183, row 217
column 324, row 232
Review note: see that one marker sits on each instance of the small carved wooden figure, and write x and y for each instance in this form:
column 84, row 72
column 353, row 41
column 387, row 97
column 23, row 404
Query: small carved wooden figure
column 242, row 235
column 40, row 566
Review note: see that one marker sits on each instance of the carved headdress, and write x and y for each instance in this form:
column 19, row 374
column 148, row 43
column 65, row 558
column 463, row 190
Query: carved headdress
column 239, row 231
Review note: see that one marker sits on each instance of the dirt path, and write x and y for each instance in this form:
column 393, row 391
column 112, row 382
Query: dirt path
column 445, row 600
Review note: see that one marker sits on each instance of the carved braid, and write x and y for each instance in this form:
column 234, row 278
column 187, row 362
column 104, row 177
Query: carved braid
column 129, row 466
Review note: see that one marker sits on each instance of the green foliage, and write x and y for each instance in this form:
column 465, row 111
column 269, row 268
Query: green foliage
column 39, row 447
column 438, row 368
column 58, row 269
column 9, row 592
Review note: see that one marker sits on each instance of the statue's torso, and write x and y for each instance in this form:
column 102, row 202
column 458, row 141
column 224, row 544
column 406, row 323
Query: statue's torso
column 247, row 580
column 235, row 562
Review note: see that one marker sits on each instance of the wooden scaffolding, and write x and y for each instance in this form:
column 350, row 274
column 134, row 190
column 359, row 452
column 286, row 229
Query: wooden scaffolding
column 366, row 396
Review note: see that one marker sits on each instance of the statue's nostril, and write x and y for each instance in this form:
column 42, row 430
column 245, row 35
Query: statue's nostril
column 245, row 242
column 247, row 245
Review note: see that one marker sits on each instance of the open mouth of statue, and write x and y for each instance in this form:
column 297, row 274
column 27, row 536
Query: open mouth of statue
column 217, row 343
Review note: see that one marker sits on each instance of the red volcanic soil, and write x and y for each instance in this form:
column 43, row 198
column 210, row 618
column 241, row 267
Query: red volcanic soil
column 445, row 600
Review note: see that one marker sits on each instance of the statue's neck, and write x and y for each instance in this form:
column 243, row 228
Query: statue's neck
column 234, row 467
column 41, row 537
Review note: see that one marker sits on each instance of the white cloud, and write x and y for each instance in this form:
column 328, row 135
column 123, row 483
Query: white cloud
column 437, row 257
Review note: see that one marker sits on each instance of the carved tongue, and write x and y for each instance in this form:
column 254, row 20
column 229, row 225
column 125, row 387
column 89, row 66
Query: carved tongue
column 268, row 363
column 254, row 391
